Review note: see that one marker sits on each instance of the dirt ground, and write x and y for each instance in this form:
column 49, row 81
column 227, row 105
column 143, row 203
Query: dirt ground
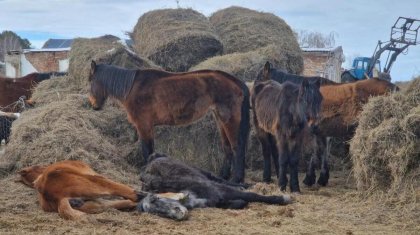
column 335, row 209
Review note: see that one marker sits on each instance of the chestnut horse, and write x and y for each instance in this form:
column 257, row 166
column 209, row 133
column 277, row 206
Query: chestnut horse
column 73, row 189
column 153, row 97
column 11, row 89
column 340, row 106
column 284, row 111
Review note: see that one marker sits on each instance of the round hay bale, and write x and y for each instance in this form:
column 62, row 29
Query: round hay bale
column 70, row 129
column 243, row 30
column 105, row 49
column 175, row 39
column 385, row 150
column 247, row 65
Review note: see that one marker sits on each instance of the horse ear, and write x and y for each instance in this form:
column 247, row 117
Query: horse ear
column 93, row 66
column 304, row 87
column 317, row 83
column 266, row 71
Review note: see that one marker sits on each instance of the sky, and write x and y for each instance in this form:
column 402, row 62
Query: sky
column 357, row 24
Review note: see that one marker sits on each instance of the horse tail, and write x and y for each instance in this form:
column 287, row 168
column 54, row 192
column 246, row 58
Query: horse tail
column 244, row 127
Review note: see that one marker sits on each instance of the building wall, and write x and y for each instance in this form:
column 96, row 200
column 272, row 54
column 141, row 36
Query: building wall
column 46, row 61
column 323, row 64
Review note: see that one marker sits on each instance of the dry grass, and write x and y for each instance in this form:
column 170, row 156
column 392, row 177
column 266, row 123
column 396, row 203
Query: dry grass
column 247, row 65
column 106, row 49
column 332, row 210
column 386, row 147
column 176, row 39
column 243, row 30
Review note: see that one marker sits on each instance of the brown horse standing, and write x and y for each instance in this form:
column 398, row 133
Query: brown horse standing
column 153, row 97
column 281, row 110
column 11, row 89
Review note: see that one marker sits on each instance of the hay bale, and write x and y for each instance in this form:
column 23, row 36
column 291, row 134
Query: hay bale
column 243, row 30
column 385, row 150
column 175, row 39
column 70, row 129
column 247, row 65
column 105, row 49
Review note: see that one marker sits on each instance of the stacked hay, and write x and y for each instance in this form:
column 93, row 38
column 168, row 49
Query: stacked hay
column 63, row 126
column 106, row 49
column 176, row 39
column 386, row 148
column 251, row 38
column 246, row 65
column 243, row 30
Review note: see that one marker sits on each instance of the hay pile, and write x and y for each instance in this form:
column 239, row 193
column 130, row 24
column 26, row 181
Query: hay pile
column 176, row 39
column 243, row 30
column 246, row 65
column 63, row 126
column 70, row 129
column 386, row 147
column 106, row 49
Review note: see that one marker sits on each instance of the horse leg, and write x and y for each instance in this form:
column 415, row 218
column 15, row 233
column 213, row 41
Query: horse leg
column 310, row 177
column 227, row 161
column 264, row 139
column 294, row 156
column 325, row 172
column 283, row 162
column 100, row 205
column 146, row 141
column 231, row 129
column 274, row 154
column 67, row 212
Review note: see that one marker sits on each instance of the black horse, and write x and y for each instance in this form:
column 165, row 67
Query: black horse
column 164, row 174
column 312, row 102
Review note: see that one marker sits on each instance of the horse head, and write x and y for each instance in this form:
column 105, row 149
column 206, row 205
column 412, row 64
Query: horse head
column 98, row 94
column 311, row 97
column 164, row 207
column 265, row 73
column 28, row 175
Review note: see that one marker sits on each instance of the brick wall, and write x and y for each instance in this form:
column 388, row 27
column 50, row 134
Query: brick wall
column 46, row 61
column 314, row 65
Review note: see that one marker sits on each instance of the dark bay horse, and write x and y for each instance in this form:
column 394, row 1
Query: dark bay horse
column 340, row 106
column 284, row 111
column 11, row 89
column 153, row 97
column 164, row 174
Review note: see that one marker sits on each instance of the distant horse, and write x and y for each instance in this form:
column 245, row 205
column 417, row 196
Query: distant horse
column 164, row 174
column 153, row 97
column 284, row 111
column 339, row 110
column 6, row 120
column 11, row 89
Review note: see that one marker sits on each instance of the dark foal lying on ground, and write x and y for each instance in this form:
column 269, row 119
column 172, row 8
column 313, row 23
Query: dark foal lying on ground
column 72, row 189
column 282, row 115
column 164, row 174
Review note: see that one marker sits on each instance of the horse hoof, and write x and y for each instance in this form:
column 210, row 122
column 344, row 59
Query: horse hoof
column 323, row 180
column 309, row 181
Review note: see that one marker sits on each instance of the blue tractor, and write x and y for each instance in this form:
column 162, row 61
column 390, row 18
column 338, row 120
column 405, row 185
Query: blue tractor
column 403, row 34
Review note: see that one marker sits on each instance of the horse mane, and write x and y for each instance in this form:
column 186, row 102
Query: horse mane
column 117, row 81
column 280, row 75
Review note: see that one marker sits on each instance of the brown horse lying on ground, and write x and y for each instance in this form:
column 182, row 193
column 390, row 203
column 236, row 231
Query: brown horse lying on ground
column 72, row 189
column 284, row 111
column 153, row 97
column 164, row 174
